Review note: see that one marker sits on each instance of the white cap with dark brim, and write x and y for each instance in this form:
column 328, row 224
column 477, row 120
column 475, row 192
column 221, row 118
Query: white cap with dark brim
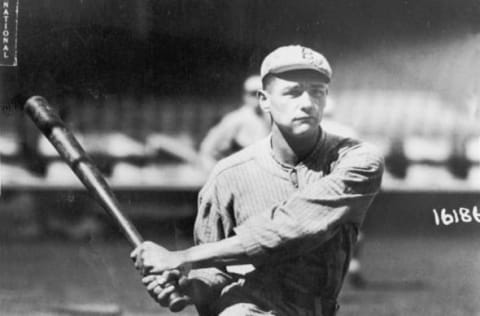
column 295, row 57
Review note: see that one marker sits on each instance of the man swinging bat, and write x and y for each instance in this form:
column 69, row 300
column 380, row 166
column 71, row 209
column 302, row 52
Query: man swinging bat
column 290, row 205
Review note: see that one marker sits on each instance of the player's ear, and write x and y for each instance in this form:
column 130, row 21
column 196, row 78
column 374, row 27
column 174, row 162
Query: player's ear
column 264, row 100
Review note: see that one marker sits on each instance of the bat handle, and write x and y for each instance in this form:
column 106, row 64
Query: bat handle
column 177, row 301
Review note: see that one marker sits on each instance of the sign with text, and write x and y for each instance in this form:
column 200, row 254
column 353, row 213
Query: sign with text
column 9, row 32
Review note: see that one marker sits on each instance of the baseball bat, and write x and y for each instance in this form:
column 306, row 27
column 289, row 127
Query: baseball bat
column 50, row 124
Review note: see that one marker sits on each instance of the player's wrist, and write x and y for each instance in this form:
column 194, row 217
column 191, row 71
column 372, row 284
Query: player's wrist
column 197, row 256
column 184, row 259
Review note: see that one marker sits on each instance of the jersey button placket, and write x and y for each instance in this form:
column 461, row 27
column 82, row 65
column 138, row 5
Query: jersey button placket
column 294, row 177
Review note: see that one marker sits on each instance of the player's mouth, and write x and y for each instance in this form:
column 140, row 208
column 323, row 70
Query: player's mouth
column 304, row 119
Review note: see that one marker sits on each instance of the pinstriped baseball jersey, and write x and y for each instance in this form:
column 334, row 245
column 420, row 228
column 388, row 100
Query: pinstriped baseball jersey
column 297, row 223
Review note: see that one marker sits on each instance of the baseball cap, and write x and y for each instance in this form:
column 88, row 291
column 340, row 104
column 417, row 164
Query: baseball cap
column 295, row 57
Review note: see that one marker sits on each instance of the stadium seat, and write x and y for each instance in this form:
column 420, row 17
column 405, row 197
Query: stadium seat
column 427, row 149
column 114, row 144
column 16, row 174
column 431, row 177
column 126, row 174
column 8, row 145
column 472, row 149
column 59, row 172
column 473, row 178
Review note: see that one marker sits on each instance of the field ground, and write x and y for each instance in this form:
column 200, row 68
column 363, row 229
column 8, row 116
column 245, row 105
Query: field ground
column 413, row 266
column 409, row 275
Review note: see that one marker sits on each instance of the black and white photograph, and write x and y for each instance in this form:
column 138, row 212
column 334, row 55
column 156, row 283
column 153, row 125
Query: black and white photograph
column 240, row 158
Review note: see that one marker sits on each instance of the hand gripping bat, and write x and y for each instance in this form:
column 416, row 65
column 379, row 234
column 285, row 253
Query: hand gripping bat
column 50, row 124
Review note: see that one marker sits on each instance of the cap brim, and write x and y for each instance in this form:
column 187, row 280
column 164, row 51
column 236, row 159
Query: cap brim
column 288, row 68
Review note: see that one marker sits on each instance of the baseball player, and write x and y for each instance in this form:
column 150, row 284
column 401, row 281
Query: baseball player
column 290, row 205
column 237, row 129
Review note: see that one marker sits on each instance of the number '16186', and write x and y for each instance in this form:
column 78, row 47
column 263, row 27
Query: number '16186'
column 462, row 215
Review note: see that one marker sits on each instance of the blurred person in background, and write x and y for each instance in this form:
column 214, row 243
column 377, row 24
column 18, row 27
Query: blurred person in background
column 237, row 129
column 290, row 205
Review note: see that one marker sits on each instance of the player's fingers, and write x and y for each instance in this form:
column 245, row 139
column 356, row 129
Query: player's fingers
column 183, row 282
column 136, row 251
column 133, row 254
column 157, row 290
column 153, row 285
column 169, row 275
column 148, row 278
column 148, row 244
column 154, row 292
column 149, row 266
column 139, row 264
column 163, row 297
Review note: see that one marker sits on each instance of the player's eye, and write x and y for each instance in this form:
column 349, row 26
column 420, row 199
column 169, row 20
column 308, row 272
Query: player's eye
column 318, row 92
column 294, row 92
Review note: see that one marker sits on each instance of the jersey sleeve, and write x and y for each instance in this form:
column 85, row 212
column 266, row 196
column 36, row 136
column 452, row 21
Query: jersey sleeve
column 213, row 223
column 315, row 213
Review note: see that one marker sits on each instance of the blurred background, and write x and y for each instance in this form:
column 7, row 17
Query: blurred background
column 142, row 82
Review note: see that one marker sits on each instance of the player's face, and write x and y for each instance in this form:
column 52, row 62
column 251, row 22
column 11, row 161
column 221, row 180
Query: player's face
column 250, row 98
column 296, row 101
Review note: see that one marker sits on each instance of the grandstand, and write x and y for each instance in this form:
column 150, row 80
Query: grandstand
column 141, row 94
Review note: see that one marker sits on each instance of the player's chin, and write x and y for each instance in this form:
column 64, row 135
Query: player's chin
column 304, row 128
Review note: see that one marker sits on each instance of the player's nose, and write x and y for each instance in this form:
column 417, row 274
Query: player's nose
column 305, row 101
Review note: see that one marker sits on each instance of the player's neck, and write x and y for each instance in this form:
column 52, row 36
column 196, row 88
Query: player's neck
column 290, row 150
